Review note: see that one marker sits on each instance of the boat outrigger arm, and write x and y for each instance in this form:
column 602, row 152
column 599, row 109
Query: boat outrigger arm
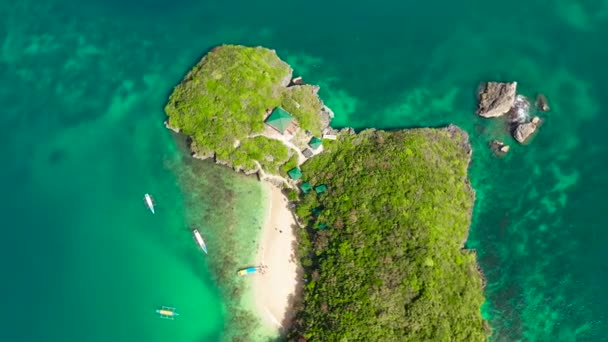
column 167, row 312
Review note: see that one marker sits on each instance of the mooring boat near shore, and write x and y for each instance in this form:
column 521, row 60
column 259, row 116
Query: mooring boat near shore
column 251, row 270
column 149, row 202
column 199, row 240
column 248, row 270
column 167, row 312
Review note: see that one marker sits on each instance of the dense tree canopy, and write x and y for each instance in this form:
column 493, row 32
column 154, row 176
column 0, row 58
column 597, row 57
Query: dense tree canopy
column 383, row 249
column 390, row 264
column 221, row 104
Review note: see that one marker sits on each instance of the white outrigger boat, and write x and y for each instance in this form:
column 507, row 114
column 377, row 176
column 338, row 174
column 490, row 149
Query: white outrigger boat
column 199, row 240
column 167, row 312
column 149, row 202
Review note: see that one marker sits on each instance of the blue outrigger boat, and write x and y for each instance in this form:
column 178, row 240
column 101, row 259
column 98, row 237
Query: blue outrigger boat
column 248, row 270
column 251, row 270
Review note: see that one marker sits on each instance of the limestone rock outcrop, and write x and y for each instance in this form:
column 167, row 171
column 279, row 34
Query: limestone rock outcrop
column 499, row 147
column 495, row 98
column 525, row 130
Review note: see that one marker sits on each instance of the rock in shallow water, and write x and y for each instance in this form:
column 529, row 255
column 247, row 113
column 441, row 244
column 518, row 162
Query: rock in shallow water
column 525, row 130
column 499, row 147
column 495, row 98
column 542, row 103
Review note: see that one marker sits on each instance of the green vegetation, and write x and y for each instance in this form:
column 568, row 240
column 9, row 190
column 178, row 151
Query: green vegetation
column 270, row 153
column 303, row 103
column 387, row 217
column 224, row 97
column 292, row 195
column 389, row 266
column 290, row 164
column 221, row 104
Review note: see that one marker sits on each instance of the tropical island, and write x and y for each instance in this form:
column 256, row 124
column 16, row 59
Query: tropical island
column 224, row 101
column 381, row 216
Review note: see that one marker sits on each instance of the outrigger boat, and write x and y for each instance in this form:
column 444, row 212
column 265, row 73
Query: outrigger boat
column 167, row 313
column 149, row 202
column 199, row 240
column 249, row 270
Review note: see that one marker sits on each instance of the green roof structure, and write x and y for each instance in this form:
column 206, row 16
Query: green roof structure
column 295, row 173
column 279, row 119
column 305, row 187
column 322, row 226
column 315, row 143
column 321, row 188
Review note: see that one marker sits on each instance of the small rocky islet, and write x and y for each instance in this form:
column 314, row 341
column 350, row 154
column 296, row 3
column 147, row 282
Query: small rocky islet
column 500, row 100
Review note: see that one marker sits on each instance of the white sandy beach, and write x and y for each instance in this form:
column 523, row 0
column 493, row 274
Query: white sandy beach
column 273, row 288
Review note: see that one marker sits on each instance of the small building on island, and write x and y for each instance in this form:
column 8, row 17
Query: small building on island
column 307, row 153
column 305, row 187
column 321, row 188
column 295, row 173
column 282, row 121
column 315, row 143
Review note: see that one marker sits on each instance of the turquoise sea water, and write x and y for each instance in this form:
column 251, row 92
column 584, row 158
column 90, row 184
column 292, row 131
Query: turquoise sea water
column 83, row 86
